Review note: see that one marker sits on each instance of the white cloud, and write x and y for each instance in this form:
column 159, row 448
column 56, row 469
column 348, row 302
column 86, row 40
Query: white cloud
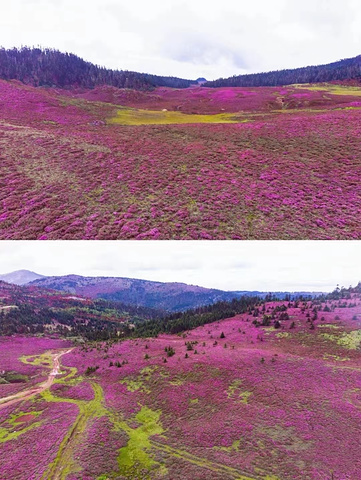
column 228, row 265
column 188, row 38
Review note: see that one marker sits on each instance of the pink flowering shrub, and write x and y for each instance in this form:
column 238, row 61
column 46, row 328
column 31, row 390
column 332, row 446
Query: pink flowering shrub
column 19, row 456
column 81, row 391
column 11, row 349
column 273, row 393
column 257, row 400
column 290, row 172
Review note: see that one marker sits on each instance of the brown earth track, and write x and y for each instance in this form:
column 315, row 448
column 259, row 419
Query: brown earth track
column 31, row 392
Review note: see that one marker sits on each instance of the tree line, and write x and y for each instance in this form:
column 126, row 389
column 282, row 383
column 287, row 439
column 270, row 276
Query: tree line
column 193, row 318
column 100, row 320
column 52, row 68
column 347, row 69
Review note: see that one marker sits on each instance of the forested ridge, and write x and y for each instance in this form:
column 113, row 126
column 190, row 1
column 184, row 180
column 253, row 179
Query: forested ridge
column 52, row 68
column 347, row 69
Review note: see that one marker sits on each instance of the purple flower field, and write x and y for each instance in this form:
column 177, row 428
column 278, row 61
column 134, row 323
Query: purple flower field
column 233, row 400
column 111, row 164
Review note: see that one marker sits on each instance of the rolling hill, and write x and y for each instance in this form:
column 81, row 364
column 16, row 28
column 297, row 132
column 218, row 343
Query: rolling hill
column 52, row 68
column 348, row 69
column 164, row 296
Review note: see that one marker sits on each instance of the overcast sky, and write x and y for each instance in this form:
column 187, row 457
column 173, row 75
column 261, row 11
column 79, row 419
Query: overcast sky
column 188, row 38
column 227, row 265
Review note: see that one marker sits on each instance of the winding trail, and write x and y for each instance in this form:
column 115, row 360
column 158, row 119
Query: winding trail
column 31, row 392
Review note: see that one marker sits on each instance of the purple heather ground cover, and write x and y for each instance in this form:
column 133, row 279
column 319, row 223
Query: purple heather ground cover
column 11, row 349
column 256, row 403
column 289, row 169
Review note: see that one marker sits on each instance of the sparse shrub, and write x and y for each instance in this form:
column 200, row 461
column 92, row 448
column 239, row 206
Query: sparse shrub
column 170, row 351
column 91, row 370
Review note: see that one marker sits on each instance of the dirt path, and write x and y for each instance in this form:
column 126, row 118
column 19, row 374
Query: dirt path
column 26, row 394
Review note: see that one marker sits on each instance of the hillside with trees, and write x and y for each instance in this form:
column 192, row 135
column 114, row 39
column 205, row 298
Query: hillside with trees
column 31, row 310
column 342, row 70
column 52, row 68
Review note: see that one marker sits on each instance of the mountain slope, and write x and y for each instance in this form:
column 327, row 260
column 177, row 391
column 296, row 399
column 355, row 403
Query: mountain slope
column 166, row 296
column 52, row 68
column 163, row 296
column 33, row 310
column 347, row 69
column 20, row 277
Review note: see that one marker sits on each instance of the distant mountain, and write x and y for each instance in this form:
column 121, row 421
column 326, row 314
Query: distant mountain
column 347, row 69
column 48, row 67
column 20, row 277
column 162, row 296
column 166, row 296
column 201, row 80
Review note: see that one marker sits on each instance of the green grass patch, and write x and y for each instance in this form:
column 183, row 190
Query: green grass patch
column 70, row 378
column 64, row 462
column 336, row 358
column 282, row 335
column 350, row 341
column 13, row 377
column 44, row 360
column 133, row 385
column 15, row 427
column 135, row 457
column 7, row 435
column 332, row 89
column 130, row 116
column 234, row 391
column 233, row 448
